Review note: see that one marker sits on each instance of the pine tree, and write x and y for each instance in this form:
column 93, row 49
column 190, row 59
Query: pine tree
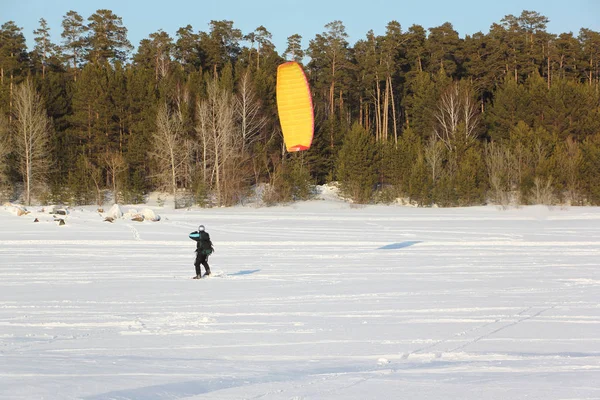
column 510, row 105
column 484, row 65
column 365, row 78
column 419, row 104
column 356, row 165
column 13, row 63
column 107, row 38
column 590, row 169
column 187, row 49
column 221, row 45
column 590, row 42
column 331, row 48
column 569, row 110
column 45, row 52
column 416, row 54
column 443, row 46
column 565, row 57
column 73, row 34
column 142, row 102
column 294, row 50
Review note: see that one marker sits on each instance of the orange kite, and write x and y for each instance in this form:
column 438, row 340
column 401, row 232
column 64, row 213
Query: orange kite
column 294, row 105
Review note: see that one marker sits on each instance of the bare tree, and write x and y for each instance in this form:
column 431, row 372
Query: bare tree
column 202, row 130
column 248, row 110
column 115, row 164
column 95, row 174
column 434, row 154
column 217, row 131
column 502, row 169
column 541, row 191
column 456, row 116
column 571, row 161
column 31, row 133
column 169, row 148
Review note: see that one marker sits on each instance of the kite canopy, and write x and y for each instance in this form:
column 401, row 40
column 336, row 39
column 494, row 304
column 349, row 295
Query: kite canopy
column 294, row 104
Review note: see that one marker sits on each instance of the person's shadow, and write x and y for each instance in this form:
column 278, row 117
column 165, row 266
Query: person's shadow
column 245, row 272
column 401, row 245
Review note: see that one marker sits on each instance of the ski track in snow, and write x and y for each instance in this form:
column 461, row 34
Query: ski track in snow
column 335, row 303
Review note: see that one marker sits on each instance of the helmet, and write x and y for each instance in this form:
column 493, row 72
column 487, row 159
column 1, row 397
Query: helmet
column 201, row 228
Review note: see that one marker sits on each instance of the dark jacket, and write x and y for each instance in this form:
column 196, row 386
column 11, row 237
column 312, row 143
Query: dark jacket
column 203, row 243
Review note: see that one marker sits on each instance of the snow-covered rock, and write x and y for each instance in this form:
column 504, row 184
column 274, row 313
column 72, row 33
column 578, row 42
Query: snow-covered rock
column 16, row 209
column 115, row 212
column 130, row 214
column 134, row 215
column 150, row 215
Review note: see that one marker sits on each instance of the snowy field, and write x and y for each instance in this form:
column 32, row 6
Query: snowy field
column 316, row 300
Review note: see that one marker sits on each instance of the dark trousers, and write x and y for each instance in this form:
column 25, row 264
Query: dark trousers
column 201, row 259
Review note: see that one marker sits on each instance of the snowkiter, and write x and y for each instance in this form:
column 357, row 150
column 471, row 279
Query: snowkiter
column 204, row 248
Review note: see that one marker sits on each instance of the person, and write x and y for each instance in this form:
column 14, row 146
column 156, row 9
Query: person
column 204, row 248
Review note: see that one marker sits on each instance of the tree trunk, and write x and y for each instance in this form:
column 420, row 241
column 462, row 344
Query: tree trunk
column 332, row 87
column 75, row 65
column 28, row 172
column 10, row 99
column 173, row 178
column 386, row 109
column 258, row 57
column 394, row 117
column 548, row 68
column 378, row 119
column 360, row 112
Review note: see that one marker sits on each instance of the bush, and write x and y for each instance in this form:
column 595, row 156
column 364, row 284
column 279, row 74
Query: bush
column 291, row 181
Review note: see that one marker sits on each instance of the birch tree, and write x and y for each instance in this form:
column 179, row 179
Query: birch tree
column 571, row 160
column 31, row 131
column 218, row 140
column 169, row 149
column 434, row 156
column 502, row 172
column 115, row 165
column 203, row 122
column 249, row 112
column 456, row 116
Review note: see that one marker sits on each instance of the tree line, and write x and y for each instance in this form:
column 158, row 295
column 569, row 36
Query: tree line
column 511, row 116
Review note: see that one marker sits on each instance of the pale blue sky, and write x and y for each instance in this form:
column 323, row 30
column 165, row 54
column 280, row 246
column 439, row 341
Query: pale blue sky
column 305, row 17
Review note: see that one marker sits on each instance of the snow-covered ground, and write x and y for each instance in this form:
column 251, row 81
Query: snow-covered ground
column 316, row 300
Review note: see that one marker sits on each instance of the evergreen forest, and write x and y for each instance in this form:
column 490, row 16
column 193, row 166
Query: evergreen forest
column 511, row 116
